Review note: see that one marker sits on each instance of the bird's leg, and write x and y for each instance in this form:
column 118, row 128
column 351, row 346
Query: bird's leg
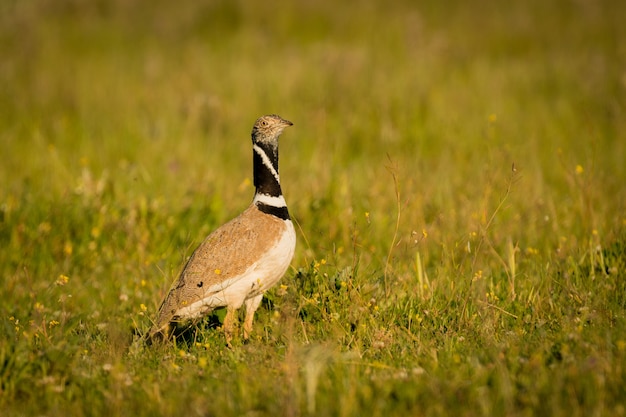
column 229, row 322
column 251, row 306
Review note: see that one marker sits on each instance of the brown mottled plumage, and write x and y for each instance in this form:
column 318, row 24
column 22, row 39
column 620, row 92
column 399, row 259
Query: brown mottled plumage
column 245, row 257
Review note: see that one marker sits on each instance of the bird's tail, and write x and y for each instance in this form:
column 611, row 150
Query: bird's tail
column 158, row 334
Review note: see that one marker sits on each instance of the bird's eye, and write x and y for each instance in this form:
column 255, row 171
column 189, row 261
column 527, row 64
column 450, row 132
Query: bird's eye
column 264, row 123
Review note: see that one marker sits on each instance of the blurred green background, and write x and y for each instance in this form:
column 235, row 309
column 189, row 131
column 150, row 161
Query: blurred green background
column 454, row 165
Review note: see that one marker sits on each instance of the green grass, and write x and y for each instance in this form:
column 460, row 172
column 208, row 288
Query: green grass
column 456, row 172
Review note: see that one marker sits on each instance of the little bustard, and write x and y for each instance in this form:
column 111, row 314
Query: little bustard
column 245, row 257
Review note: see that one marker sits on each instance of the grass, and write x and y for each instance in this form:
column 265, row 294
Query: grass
column 456, row 172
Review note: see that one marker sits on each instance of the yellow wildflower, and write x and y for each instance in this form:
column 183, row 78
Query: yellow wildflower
column 62, row 280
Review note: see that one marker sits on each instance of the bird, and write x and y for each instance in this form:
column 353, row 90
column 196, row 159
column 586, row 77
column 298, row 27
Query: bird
column 238, row 262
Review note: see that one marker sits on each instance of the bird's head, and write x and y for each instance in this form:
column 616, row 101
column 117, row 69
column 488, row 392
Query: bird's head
column 268, row 128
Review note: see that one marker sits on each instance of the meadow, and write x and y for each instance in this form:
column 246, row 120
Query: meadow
column 456, row 172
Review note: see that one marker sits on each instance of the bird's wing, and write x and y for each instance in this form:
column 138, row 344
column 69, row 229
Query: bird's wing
column 222, row 257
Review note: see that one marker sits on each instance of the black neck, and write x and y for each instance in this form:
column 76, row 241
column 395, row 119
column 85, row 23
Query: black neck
column 280, row 212
column 264, row 180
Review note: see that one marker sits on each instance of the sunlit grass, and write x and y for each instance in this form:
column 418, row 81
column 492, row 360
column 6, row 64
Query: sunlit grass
column 455, row 172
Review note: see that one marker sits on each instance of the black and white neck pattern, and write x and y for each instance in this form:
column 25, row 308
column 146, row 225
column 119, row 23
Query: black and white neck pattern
column 268, row 196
